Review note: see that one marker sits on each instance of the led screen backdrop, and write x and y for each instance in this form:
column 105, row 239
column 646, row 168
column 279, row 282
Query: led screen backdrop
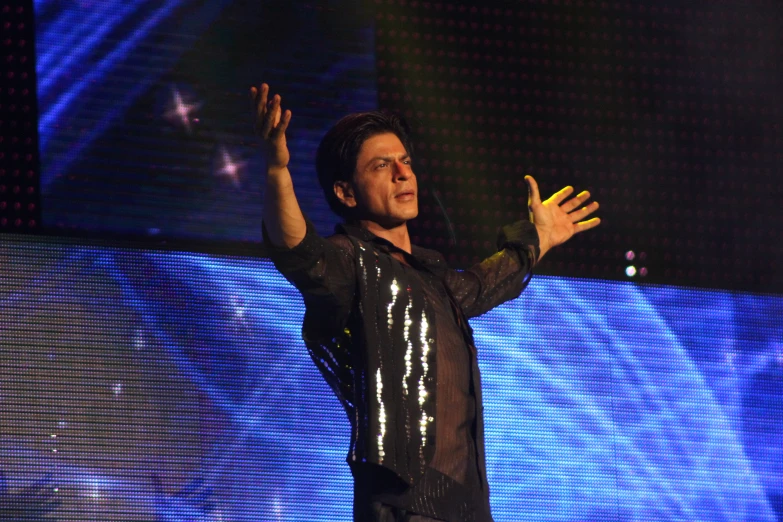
column 152, row 385
column 666, row 110
column 146, row 119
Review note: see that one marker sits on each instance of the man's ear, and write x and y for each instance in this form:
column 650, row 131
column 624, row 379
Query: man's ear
column 344, row 192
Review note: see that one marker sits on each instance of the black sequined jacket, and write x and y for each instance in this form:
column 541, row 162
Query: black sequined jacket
column 369, row 330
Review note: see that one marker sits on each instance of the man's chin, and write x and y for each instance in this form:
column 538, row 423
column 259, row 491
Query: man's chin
column 407, row 216
column 399, row 220
column 394, row 219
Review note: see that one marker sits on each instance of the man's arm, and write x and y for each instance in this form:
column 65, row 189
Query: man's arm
column 500, row 277
column 521, row 245
column 321, row 269
column 283, row 219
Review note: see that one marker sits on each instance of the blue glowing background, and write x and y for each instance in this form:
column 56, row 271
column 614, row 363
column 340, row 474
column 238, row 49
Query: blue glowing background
column 175, row 387
column 145, row 115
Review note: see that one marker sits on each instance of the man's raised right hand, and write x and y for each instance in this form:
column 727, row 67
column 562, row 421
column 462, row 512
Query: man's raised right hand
column 271, row 124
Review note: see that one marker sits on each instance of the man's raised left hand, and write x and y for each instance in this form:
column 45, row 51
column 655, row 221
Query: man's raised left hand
column 558, row 218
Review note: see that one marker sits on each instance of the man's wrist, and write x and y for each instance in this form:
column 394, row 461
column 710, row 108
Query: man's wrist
column 277, row 170
column 544, row 244
column 279, row 178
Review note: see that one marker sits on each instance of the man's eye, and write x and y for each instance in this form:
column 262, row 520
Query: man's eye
column 380, row 165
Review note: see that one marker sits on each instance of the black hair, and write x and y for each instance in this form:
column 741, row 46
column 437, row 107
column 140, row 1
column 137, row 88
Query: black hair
column 339, row 149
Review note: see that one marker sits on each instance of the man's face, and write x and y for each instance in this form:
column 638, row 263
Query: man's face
column 384, row 185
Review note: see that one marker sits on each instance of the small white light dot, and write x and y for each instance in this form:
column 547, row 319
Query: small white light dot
column 138, row 340
column 630, row 271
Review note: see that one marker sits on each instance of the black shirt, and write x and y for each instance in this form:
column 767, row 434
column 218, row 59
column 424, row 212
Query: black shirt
column 388, row 330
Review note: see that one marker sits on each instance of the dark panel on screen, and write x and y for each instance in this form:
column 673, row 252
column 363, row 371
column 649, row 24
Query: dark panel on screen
column 668, row 112
column 20, row 209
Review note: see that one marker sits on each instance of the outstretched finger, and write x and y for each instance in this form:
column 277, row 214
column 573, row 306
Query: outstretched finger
column 560, row 196
column 534, row 197
column 575, row 202
column 270, row 117
column 583, row 212
column 259, row 95
column 280, row 129
column 586, row 225
column 260, row 98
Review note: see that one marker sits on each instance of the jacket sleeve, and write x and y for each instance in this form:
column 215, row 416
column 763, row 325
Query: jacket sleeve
column 322, row 269
column 502, row 276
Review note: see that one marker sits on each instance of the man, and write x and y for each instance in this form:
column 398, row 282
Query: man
column 386, row 321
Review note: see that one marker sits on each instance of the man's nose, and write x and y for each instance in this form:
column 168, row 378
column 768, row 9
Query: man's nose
column 402, row 171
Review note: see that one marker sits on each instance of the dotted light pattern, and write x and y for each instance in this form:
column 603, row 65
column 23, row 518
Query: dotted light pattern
column 140, row 385
column 668, row 112
column 19, row 171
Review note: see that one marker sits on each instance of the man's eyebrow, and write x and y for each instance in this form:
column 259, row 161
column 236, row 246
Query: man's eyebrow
column 386, row 158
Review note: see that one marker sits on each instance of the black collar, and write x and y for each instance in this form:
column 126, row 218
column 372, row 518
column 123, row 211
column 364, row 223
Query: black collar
column 427, row 257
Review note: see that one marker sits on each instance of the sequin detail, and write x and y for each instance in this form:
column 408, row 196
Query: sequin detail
column 425, row 350
column 394, row 290
column 381, row 416
column 361, row 264
column 409, row 345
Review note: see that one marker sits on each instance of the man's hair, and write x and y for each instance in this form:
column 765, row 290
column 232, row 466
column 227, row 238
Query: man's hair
column 339, row 149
